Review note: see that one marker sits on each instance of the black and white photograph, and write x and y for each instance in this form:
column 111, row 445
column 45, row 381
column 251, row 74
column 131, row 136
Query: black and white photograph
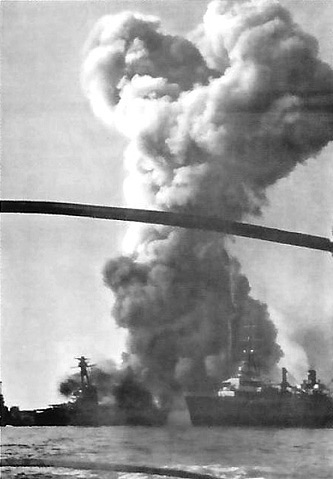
column 166, row 239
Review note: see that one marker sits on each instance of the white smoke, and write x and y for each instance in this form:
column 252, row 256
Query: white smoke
column 210, row 127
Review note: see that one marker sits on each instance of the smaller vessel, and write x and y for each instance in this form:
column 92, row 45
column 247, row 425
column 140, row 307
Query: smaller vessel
column 247, row 400
column 3, row 409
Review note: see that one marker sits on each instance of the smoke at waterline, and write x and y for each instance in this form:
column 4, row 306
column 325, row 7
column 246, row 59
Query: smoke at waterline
column 211, row 124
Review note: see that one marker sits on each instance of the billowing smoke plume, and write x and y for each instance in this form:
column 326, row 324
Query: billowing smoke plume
column 211, row 124
column 117, row 386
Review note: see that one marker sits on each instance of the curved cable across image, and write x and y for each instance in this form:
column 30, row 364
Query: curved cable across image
column 170, row 219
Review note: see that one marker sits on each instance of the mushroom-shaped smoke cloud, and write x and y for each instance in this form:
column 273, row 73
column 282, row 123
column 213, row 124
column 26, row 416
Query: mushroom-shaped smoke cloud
column 211, row 124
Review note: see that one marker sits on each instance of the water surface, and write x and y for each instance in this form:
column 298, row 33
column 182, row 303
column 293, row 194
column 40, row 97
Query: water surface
column 224, row 452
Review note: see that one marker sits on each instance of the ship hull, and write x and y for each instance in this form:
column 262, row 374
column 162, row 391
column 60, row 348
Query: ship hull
column 280, row 411
column 92, row 416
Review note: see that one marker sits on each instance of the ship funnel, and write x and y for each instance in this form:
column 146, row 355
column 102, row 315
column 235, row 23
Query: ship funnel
column 284, row 382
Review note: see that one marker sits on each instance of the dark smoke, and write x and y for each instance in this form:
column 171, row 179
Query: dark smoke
column 318, row 343
column 104, row 376
column 119, row 386
column 211, row 126
column 179, row 313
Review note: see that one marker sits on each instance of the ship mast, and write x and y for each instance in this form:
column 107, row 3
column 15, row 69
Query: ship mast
column 83, row 365
column 248, row 352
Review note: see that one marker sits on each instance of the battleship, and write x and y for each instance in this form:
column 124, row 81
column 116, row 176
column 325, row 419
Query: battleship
column 247, row 400
column 133, row 405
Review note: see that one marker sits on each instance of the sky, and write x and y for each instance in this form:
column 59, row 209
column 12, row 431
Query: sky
column 54, row 305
